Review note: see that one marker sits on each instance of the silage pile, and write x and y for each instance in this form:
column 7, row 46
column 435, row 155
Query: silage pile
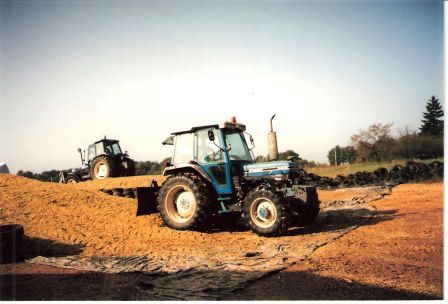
column 100, row 224
column 62, row 221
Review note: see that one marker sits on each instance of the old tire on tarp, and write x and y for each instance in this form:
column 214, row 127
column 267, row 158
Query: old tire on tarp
column 117, row 192
column 128, row 192
column 107, row 191
column 11, row 244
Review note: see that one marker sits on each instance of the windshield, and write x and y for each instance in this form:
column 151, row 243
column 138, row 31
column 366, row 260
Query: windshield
column 238, row 146
column 112, row 148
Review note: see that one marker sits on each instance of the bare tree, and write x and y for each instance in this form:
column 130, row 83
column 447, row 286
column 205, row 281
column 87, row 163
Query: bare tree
column 375, row 143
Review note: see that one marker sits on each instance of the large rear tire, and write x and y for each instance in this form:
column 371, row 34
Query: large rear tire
column 185, row 202
column 103, row 167
column 266, row 212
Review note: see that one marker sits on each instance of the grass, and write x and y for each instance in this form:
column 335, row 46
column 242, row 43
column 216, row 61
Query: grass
column 333, row 171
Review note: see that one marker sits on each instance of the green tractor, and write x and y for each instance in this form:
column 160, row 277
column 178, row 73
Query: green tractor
column 104, row 159
column 212, row 172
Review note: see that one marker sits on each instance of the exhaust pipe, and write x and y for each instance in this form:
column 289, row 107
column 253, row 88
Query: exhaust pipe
column 272, row 143
column 82, row 158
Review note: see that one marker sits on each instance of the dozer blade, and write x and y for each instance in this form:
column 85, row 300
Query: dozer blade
column 147, row 199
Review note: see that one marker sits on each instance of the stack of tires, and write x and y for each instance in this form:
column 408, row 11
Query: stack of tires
column 398, row 174
column 121, row 192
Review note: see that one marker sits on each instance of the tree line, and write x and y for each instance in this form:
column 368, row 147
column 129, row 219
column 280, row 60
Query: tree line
column 377, row 144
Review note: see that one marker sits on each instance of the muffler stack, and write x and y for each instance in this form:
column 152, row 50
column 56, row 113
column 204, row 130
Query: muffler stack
column 272, row 143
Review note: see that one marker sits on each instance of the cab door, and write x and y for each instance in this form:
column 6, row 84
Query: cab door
column 91, row 153
column 213, row 160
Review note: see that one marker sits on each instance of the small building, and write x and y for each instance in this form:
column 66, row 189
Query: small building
column 4, row 168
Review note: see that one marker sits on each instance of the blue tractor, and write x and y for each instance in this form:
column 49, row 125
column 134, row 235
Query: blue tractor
column 212, row 172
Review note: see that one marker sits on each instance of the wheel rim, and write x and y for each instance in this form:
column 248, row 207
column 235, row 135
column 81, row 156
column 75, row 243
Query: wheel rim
column 71, row 181
column 101, row 170
column 180, row 204
column 263, row 212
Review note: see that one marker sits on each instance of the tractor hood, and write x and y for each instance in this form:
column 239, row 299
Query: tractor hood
column 279, row 170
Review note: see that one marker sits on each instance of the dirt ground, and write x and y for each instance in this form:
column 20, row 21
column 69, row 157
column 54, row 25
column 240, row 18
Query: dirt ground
column 396, row 252
column 398, row 255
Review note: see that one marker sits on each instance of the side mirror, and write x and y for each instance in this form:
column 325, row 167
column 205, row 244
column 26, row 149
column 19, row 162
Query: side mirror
column 211, row 135
column 79, row 150
column 251, row 141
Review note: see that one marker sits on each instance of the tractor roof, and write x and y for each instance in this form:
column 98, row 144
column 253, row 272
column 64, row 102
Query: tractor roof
column 106, row 139
column 225, row 125
column 194, row 129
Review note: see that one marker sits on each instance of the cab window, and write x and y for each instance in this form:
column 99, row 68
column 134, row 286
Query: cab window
column 99, row 148
column 207, row 151
column 183, row 151
column 92, row 152
column 238, row 147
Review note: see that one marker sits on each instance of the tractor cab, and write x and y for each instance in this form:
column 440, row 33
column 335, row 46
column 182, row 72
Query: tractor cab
column 222, row 155
column 217, row 152
column 109, row 147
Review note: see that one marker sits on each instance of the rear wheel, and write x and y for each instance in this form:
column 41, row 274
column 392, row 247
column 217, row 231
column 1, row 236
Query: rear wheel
column 184, row 202
column 103, row 167
column 266, row 212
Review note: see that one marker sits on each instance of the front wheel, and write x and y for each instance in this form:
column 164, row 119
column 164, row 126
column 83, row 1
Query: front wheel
column 72, row 179
column 266, row 212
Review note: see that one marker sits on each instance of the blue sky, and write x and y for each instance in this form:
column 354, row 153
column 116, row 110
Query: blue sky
column 72, row 72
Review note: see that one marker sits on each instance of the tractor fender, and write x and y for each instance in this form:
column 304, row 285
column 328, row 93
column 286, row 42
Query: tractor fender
column 63, row 176
column 74, row 174
column 187, row 167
